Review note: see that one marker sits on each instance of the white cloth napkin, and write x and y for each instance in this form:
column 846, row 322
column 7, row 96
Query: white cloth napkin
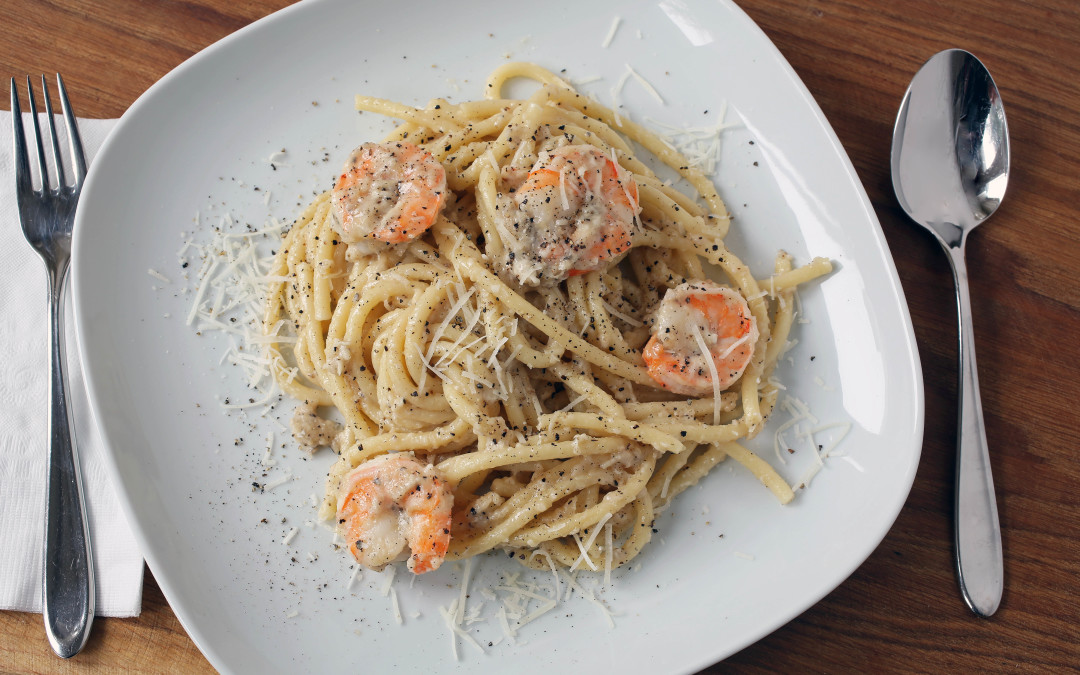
column 24, row 387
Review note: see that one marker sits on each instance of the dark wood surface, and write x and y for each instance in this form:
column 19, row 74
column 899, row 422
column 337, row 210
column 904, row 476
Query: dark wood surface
column 900, row 611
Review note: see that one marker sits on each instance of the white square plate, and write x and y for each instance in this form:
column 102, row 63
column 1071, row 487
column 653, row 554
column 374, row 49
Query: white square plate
column 199, row 141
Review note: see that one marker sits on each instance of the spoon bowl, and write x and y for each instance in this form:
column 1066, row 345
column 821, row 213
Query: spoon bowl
column 950, row 153
column 950, row 168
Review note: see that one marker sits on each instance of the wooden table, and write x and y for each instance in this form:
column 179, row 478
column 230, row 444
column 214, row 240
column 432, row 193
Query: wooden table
column 901, row 610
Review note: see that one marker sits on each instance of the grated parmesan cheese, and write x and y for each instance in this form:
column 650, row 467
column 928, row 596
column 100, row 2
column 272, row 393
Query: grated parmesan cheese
column 588, row 544
column 571, row 581
column 397, row 609
column 277, row 482
column 608, row 552
column 456, row 631
column 449, row 621
column 463, row 592
column 358, row 573
column 267, row 461
column 625, row 317
column 701, row 145
column 158, row 275
column 562, row 188
column 228, row 288
column 554, row 571
column 611, row 32
column 570, row 406
column 710, row 362
column 646, row 84
column 616, row 103
column 388, row 580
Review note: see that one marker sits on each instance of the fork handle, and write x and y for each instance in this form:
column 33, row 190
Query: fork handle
column 67, row 583
column 977, row 533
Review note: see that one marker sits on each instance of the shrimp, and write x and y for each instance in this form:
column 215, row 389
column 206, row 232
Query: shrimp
column 391, row 501
column 695, row 315
column 574, row 213
column 391, row 192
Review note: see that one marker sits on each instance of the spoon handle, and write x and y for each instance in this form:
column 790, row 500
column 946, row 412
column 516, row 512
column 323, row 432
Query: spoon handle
column 978, row 536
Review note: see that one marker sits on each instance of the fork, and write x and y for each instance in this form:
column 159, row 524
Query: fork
column 47, row 214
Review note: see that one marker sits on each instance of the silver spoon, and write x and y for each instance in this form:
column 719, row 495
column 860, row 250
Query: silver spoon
column 950, row 166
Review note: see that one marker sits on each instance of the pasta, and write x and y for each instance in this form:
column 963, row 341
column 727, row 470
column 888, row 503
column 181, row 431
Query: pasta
column 480, row 346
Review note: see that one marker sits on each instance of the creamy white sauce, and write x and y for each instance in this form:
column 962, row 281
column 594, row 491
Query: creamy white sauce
column 310, row 430
column 338, row 356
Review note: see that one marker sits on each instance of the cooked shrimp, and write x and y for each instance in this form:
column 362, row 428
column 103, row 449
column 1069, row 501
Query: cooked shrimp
column 696, row 315
column 391, row 501
column 574, row 213
column 389, row 191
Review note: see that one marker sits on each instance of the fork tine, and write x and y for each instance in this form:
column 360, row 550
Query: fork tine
column 43, row 170
column 58, row 162
column 22, row 160
column 77, row 157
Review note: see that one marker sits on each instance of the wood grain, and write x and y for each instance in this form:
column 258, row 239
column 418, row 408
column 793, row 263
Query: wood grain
column 900, row 611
